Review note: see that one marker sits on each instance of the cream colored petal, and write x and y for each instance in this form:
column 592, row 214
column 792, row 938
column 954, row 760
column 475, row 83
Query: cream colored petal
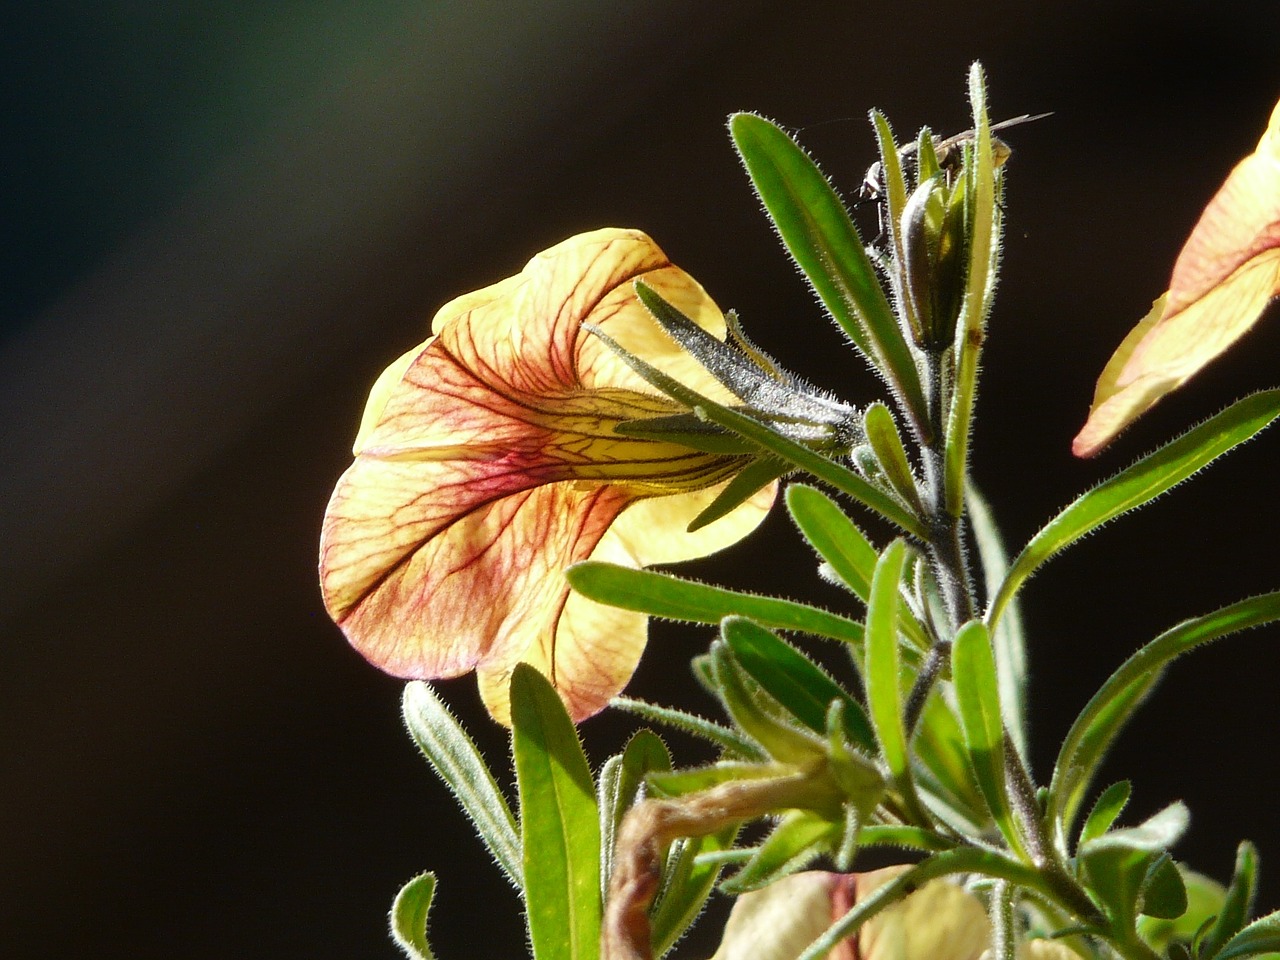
column 384, row 388
column 940, row 921
column 780, row 921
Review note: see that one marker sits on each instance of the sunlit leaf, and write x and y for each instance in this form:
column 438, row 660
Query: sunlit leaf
column 1147, row 479
column 409, row 917
column 559, row 822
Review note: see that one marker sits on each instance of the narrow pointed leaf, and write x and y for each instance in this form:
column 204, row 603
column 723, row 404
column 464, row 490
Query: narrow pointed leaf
column 1154, row 835
column 559, row 822
column 882, row 434
column 1105, row 810
column 1238, row 903
column 973, row 676
column 1144, row 481
column 409, row 917
column 621, row 778
column 802, row 687
column 662, row 595
column 794, row 843
column 818, row 232
column 457, row 761
column 983, row 245
column 1008, row 639
column 1261, row 936
column 883, row 680
column 1139, row 671
column 691, row 877
column 840, row 543
column 753, row 478
column 730, row 741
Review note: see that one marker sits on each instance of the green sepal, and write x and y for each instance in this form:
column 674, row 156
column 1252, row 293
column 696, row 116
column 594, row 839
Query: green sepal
column 687, row 430
column 1204, row 903
column 882, row 435
column 947, row 774
column 1237, row 904
column 854, row 772
column 560, row 824
column 799, row 685
column 663, row 595
column 409, row 917
column 752, row 478
column 458, row 762
column 795, row 842
column 1141, row 483
column 818, row 232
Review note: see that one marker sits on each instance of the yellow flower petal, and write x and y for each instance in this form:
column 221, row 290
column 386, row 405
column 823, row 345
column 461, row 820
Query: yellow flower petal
column 1227, row 272
column 487, row 461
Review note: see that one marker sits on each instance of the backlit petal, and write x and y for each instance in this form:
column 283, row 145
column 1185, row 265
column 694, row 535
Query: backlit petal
column 487, row 461
column 1227, row 272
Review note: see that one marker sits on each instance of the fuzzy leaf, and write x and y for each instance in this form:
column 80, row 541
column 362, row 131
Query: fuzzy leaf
column 458, row 762
column 409, row 917
column 818, row 232
column 662, row 595
column 1147, row 479
column 559, row 822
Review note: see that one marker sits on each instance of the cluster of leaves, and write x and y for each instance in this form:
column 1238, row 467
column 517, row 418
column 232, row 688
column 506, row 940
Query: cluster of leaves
column 922, row 745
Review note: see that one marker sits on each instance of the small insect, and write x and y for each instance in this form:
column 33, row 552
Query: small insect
column 949, row 154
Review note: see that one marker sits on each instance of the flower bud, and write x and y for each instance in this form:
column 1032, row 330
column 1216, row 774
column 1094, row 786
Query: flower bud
column 933, row 259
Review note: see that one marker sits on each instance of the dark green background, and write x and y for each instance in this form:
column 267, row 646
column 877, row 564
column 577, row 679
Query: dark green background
column 222, row 219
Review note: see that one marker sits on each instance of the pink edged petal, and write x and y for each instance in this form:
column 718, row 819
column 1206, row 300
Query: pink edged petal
column 1241, row 222
column 594, row 649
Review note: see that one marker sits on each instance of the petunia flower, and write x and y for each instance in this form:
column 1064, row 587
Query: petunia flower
column 490, row 458
column 939, row 921
column 1227, row 272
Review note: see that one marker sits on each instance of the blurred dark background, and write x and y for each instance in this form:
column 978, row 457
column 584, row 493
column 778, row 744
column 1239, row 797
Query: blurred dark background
column 223, row 218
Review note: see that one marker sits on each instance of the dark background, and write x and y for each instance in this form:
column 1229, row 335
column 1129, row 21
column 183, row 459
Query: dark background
column 223, row 218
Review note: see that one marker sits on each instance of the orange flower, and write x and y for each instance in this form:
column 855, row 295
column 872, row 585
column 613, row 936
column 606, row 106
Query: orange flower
column 1225, row 275
column 489, row 460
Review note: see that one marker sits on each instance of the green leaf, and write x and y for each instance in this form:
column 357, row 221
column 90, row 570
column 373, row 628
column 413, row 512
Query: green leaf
column 730, row 741
column 458, row 762
column 1147, row 479
column 1261, row 936
column 755, row 476
column 662, row 595
column 621, row 779
column 1204, row 903
column 1238, row 903
column 973, row 676
column 559, row 821
column 409, row 917
column 884, row 683
column 754, row 710
column 1154, row 835
column 882, row 434
column 678, row 783
column 841, row 544
column 1008, row 640
column 939, row 744
column 818, row 232
column 983, row 235
column 798, row 684
column 1099, row 721
column 907, row 837
column 797, row 840
column 1164, row 895
column 1114, row 876
column 894, row 199
column 1105, row 810
column 690, row 878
